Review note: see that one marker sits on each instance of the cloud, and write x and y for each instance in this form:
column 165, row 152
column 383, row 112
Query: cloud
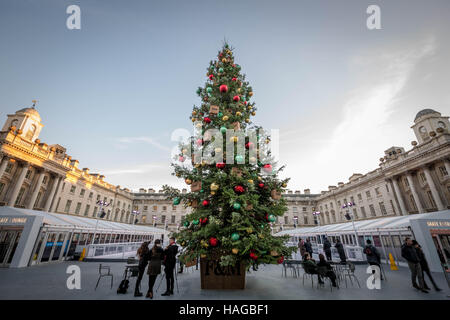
column 142, row 139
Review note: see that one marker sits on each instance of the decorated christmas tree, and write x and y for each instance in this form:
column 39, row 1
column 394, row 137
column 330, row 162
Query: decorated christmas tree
column 235, row 193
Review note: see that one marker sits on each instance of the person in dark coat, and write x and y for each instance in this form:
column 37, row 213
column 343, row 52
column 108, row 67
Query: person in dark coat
column 170, row 260
column 301, row 247
column 327, row 249
column 155, row 258
column 373, row 256
column 308, row 247
column 409, row 253
column 142, row 254
column 330, row 273
column 424, row 266
column 311, row 266
column 340, row 249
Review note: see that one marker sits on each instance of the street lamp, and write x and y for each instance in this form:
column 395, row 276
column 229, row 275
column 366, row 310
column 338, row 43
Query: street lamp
column 316, row 215
column 295, row 221
column 135, row 212
column 154, row 220
column 349, row 216
column 101, row 204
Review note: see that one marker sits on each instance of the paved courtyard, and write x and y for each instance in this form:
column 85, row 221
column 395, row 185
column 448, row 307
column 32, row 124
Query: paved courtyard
column 49, row 282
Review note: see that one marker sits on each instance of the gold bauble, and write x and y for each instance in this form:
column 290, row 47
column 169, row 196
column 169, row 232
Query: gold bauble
column 267, row 141
column 247, row 120
column 188, row 181
column 249, row 108
column 198, row 165
column 253, row 113
column 203, row 256
column 235, row 250
column 234, row 139
column 189, row 203
column 199, row 125
column 250, row 93
column 194, row 113
column 249, row 230
column 225, row 118
column 250, row 181
column 238, row 113
column 213, row 193
column 259, row 178
column 273, row 253
column 214, row 186
column 224, row 60
column 193, row 120
column 284, row 185
column 261, row 236
column 217, row 150
column 239, row 90
column 178, row 174
column 184, row 151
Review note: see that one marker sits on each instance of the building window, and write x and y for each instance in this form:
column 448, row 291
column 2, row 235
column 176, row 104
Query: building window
column 68, row 204
column 406, row 182
column 443, row 171
column 377, row 191
column 372, row 210
column 9, row 167
column 363, row 212
column 145, row 208
column 172, row 219
column 306, row 219
column 431, row 199
column 387, row 188
column 339, row 203
column 352, row 200
column 163, row 219
column 304, row 209
column 326, row 207
column 28, row 175
column 413, row 202
column 86, row 210
column 2, row 186
column 355, row 213
column 286, row 220
column 44, row 181
column 422, row 177
column 98, row 197
column 155, row 208
column 72, row 189
column 368, row 196
column 331, row 205
column 91, row 194
column 30, row 133
column 77, row 209
column 294, row 209
column 393, row 207
column 38, row 199
column 19, row 197
column 82, row 192
column 164, row 208
column 359, row 196
column 144, row 219
column 94, row 214
column 382, row 208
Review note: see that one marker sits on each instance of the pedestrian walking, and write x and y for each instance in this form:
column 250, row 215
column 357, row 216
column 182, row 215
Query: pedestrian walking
column 340, row 249
column 327, row 249
column 373, row 256
column 409, row 253
column 424, row 266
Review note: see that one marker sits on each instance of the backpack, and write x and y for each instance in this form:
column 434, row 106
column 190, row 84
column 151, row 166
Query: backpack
column 368, row 251
column 123, row 286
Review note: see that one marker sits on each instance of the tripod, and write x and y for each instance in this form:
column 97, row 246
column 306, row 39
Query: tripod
column 164, row 275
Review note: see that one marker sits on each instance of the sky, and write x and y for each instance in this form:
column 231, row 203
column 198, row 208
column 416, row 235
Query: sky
column 113, row 92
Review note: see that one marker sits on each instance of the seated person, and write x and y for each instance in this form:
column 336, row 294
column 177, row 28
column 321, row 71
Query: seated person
column 330, row 273
column 311, row 266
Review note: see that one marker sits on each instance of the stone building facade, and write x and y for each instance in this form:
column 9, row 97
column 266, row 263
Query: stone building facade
column 38, row 176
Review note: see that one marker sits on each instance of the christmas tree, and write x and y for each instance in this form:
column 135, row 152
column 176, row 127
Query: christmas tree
column 235, row 193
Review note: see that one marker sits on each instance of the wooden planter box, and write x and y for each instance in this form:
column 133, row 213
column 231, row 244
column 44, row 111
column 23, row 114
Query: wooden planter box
column 213, row 276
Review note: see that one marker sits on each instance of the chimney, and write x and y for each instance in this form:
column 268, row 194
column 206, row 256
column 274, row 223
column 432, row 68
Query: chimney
column 142, row 190
column 306, row 191
column 74, row 163
column 86, row 171
column 297, row 192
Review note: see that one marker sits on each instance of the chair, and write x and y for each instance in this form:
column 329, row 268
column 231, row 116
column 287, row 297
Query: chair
column 308, row 273
column 288, row 264
column 102, row 274
column 350, row 273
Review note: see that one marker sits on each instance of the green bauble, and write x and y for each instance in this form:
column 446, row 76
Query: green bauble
column 195, row 222
column 202, row 190
column 220, row 114
column 199, row 91
column 239, row 158
column 238, row 66
column 186, row 224
column 209, row 89
column 237, row 205
column 176, row 201
column 235, row 236
column 272, row 218
column 220, row 70
column 262, row 226
column 223, row 129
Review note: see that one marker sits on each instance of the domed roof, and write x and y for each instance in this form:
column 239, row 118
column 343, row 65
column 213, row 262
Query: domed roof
column 30, row 111
column 424, row 112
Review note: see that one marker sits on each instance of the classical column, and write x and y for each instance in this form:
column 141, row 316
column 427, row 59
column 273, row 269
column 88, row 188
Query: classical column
column 51, row 194
column 18, row 185
column 414, row 192
column 36, row 190
column 57, row 193
column 433, row 189
column 399, row 196
column 4, row 163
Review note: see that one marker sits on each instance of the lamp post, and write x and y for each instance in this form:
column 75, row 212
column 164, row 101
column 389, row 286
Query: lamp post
column 135, row 213
column 101, row 204
column 154, row 220
column 295, row 221
column 349, row 216
column 316, row 215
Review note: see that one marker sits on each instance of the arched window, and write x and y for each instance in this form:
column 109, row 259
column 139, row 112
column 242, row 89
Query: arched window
column 31, row 132
column 14, row 123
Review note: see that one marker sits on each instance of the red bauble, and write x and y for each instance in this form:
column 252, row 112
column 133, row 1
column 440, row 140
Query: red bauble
column 199, row 142
column 245, row 102
column 223, row 88
column 280, row 260
column 253, row 256
column 249, row 145
column 239, row 189
column 261, row 185
column 213, row 241
column 207, row 120
column 205, row 203
column 220, row 165
column 234, row 66
column 267, row 168
column 234, row 79
column 236, row 98
column 204, row 221
column 181, row 159
column 211, row 77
